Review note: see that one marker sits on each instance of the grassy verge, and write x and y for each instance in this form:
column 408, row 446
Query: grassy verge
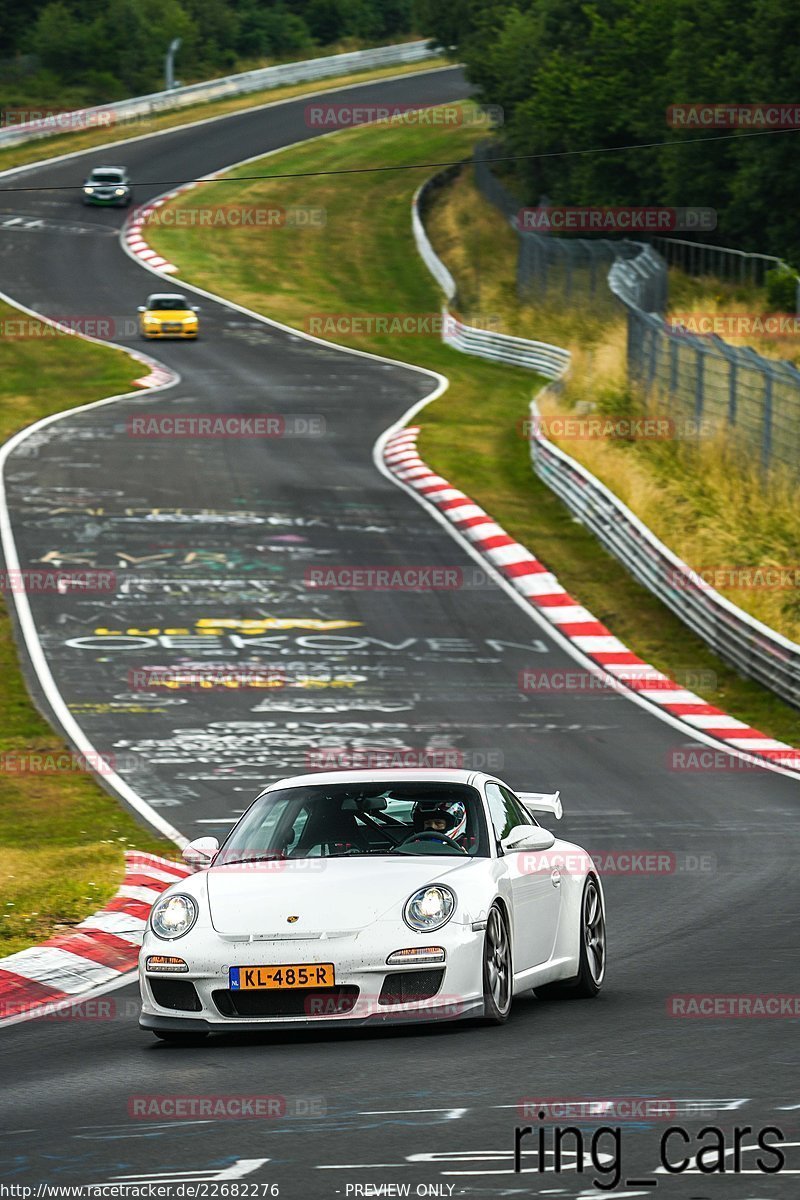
column 709, row 506
column 62, row 835
column 60, row 857
column 704, row 296
column 16, row 156
column 364, row 262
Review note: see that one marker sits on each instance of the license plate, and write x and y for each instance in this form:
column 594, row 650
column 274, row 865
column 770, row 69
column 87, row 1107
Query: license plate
column 171, row 328
column 286, row 976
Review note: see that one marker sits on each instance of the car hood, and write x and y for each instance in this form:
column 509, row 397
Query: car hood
column 327, row 896
column 170, row 314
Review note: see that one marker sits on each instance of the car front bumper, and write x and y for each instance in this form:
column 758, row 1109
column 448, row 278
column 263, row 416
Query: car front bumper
column 155, row 331
column 113, row 201
column 360, row 971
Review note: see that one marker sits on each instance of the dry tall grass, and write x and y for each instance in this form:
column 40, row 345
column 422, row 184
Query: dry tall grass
column 708, row 505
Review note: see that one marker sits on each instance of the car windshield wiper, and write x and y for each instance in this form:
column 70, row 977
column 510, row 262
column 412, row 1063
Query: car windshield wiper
column 232, row 862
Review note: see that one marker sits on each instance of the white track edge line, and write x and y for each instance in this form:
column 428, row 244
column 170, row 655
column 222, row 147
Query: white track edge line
column 56, row 1006
column 70, row 727
column 6, row 532
column 237, row 112
column 443, row 383
column 377, row 453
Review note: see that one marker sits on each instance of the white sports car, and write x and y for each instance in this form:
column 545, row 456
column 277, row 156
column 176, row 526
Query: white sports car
column 373, row 896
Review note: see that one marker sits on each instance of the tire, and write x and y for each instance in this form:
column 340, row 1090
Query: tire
column 498, row 973
column 180, row 1037
column 592, row 962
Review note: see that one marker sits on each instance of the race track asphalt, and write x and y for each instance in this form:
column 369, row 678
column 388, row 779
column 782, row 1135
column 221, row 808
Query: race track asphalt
column 210, row 542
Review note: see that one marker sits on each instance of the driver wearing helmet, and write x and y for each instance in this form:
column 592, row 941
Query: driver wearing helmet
column 447, row 819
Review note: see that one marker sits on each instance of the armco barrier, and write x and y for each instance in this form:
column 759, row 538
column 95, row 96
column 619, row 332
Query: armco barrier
column 754, row 649
column 550, row 361
column 216, row 89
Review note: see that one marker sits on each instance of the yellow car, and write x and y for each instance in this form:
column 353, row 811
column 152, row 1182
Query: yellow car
column 167, row 316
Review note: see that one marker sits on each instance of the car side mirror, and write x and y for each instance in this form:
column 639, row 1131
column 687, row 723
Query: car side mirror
column 528, row 837
column 141, row 308
column 200, row 852
column 195, row 307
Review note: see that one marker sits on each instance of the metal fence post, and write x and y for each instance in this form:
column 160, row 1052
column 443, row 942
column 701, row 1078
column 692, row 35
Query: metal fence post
column 698, row 385
column 673, row 365
column 766, row 433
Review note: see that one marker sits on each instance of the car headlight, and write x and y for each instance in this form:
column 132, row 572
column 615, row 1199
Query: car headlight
column 173, row 916
column 429, row 908
column 120, row 191
column 89, row 190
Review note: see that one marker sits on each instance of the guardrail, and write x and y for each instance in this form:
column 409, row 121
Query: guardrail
column 640, row 281
column 106, row 115
column 550, row 361
column 703, row 258
column 752, row 398
column 751, row 647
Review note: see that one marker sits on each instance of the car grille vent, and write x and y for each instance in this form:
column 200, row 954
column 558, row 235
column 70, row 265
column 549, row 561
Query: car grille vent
column 295, row 1002
column 179, row 994
column 406, row 987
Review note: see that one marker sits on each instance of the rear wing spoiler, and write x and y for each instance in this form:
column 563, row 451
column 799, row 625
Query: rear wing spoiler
column 542, row 802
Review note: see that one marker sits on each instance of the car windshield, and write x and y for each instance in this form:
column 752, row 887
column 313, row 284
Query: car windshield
column 167, row 303
column 336, row 820
column 106, row 177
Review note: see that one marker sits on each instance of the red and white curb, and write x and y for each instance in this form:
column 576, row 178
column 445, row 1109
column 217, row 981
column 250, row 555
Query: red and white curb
column 157, row 376
column 134, row 239
column 135, row 227
column 542, row 591
column 97, row 952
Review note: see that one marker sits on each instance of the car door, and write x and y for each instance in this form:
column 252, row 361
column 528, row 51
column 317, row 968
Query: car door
column 536, row 889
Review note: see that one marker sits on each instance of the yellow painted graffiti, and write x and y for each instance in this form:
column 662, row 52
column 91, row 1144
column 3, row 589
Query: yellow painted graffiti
column 213, row 626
